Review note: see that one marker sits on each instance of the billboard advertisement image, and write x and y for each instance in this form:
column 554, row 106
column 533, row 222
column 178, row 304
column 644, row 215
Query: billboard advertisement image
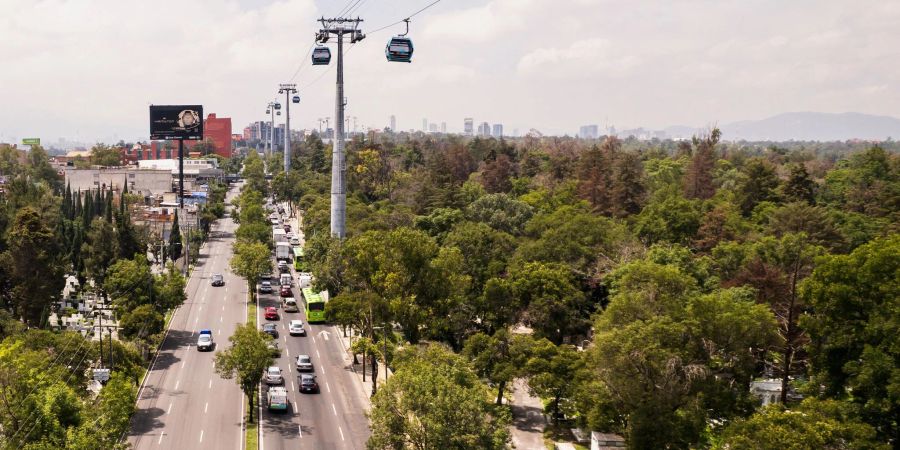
column 173, row 122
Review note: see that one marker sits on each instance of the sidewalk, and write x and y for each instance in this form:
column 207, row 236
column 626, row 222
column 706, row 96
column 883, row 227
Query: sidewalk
column 358, row 368
column 528, row 418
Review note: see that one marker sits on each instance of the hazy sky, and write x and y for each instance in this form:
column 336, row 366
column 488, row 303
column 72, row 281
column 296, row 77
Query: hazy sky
column 88, row 69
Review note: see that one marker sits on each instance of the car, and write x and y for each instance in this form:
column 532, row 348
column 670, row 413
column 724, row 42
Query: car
column 283, row 267
column 270, row 329
column 304, row 363
column 274, row 349
column 294, row 241
column 205, row 341
column 308, row 383
column 271, row 313
column 265, row 287
column 217, row 280
column 289, row 235
column 289, row 304
column 286, row 291
column 296, row 328
column 273, row 375
column 287, row 228
column 266, row 276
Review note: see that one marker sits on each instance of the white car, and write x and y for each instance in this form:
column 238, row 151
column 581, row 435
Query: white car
column 273, row 375
column 296, row 328
column 304, row 363
column 294, row 241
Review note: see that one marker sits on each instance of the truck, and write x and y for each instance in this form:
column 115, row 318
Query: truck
column 304, row 280
column 276, row 399
column 283, row 251
column 279, row 235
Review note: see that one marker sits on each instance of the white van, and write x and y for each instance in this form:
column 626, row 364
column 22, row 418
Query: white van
column 289, row 304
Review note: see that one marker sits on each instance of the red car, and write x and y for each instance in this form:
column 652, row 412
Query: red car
column 286, row 291
column 271, row 313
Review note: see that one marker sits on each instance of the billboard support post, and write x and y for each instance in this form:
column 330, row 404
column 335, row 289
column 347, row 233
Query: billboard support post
column 181, row 174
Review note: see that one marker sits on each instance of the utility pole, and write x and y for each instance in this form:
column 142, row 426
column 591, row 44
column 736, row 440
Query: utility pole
column 287, row 90
column 339, row 27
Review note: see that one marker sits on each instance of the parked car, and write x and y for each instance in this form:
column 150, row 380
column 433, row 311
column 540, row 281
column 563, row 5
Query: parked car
column 217, row 280
column 271, row 313
column 265, row 287
column 205, row 341
column 296, row 328
column 308, row 383
column 273, row 375
column 286, row 291
column 304, row 363
column 270, row 329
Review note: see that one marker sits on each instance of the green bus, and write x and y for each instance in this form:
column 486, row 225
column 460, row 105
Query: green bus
column 298, row 258
column 315, row 306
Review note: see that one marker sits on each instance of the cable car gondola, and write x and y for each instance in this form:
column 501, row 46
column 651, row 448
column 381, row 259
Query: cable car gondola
column 399, row 49
column 277, row 106
column 321, row 56
column 296, row 99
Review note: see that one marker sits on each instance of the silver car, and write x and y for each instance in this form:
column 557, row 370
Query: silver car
column 273, row 375
column 304, row 363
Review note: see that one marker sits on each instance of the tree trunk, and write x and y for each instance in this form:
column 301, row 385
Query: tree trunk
column 374, row 375
column 501, row 386
column 250, row 399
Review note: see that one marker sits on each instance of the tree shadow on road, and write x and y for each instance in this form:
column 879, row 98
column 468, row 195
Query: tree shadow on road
column 146, row 420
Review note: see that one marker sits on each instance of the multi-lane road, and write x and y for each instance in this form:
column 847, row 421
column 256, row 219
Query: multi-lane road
column 183, row 403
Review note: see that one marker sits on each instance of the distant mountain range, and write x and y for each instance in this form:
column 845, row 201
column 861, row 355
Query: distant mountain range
column 804, row 126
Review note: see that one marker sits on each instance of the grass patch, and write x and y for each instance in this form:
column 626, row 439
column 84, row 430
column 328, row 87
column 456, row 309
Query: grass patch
column 251, row 314
column 251, row 436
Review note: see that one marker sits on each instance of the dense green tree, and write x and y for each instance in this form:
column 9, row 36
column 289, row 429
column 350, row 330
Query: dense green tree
column 853, row 326
column 175, row 242
column 435, row 400
column 106, row 155
column 552, row 373
column 32, row 266
column 100, row 250
column 498, row 358
column 813, row 425
column 129, row 283
column 670, row 218
column 758, row 183
column 552, row 303
column 245, row 360
column 500, row 212
column 799, row 187
column 250, row 260
column 486, row 251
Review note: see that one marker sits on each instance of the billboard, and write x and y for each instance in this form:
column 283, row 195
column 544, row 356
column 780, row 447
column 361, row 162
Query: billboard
column 174, row 122
column 31, row 141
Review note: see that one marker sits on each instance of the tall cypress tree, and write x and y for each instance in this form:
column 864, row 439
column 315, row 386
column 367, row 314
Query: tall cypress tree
column 108, row 207
column 175, row 240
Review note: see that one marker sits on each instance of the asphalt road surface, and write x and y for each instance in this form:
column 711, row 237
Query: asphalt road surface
column 335, row 417
column 184, row 403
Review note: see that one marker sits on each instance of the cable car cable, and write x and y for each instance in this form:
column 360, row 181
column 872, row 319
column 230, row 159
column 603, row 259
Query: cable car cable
column 407, row 18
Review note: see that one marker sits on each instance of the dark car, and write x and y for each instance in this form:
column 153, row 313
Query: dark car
column 287, row 228
column 286, row 291
column 217, row 280
column 271, row 313
column 308, row 383
column 265, row 287
column 270, row 329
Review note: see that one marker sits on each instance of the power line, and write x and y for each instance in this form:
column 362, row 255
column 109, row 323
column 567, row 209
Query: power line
column 407, row 17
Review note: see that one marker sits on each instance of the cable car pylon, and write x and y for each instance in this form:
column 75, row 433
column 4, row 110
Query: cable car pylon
column 339, row 27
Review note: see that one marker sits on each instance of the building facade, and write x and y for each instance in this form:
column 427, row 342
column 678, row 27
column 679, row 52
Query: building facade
column 484, row 130
column 498, row 130
column 468, row 126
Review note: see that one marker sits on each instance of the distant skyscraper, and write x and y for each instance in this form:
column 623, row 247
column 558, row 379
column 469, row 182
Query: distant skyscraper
column 443, row 127
column 588, row 132
column 484, row 129
column 424, row 124
column 498, row 130
column 468, row 126
column 394, row 123
column 432, row 128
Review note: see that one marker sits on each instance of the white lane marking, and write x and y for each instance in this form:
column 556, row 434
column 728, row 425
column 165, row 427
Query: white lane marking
column 170, row 408
column 300, row 427
column 201, row 435
column 318, row 355
column 327, row 387
column 284, row 338
column 334, row 409
column 182, row 363
column 288, row 352
column 221, row 318
column 159, row 442
column 292, row 385
column 223, row 307
column 314, row 340
column 176, row 384
column 201, row 308
column 210, row 384
column 342, row 432
column 206, row 408
column 322, row 368
column 296, row 410
column 220, row 332
column 196, row 321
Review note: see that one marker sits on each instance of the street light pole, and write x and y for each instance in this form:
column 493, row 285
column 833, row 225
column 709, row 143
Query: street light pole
column 287, row 90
